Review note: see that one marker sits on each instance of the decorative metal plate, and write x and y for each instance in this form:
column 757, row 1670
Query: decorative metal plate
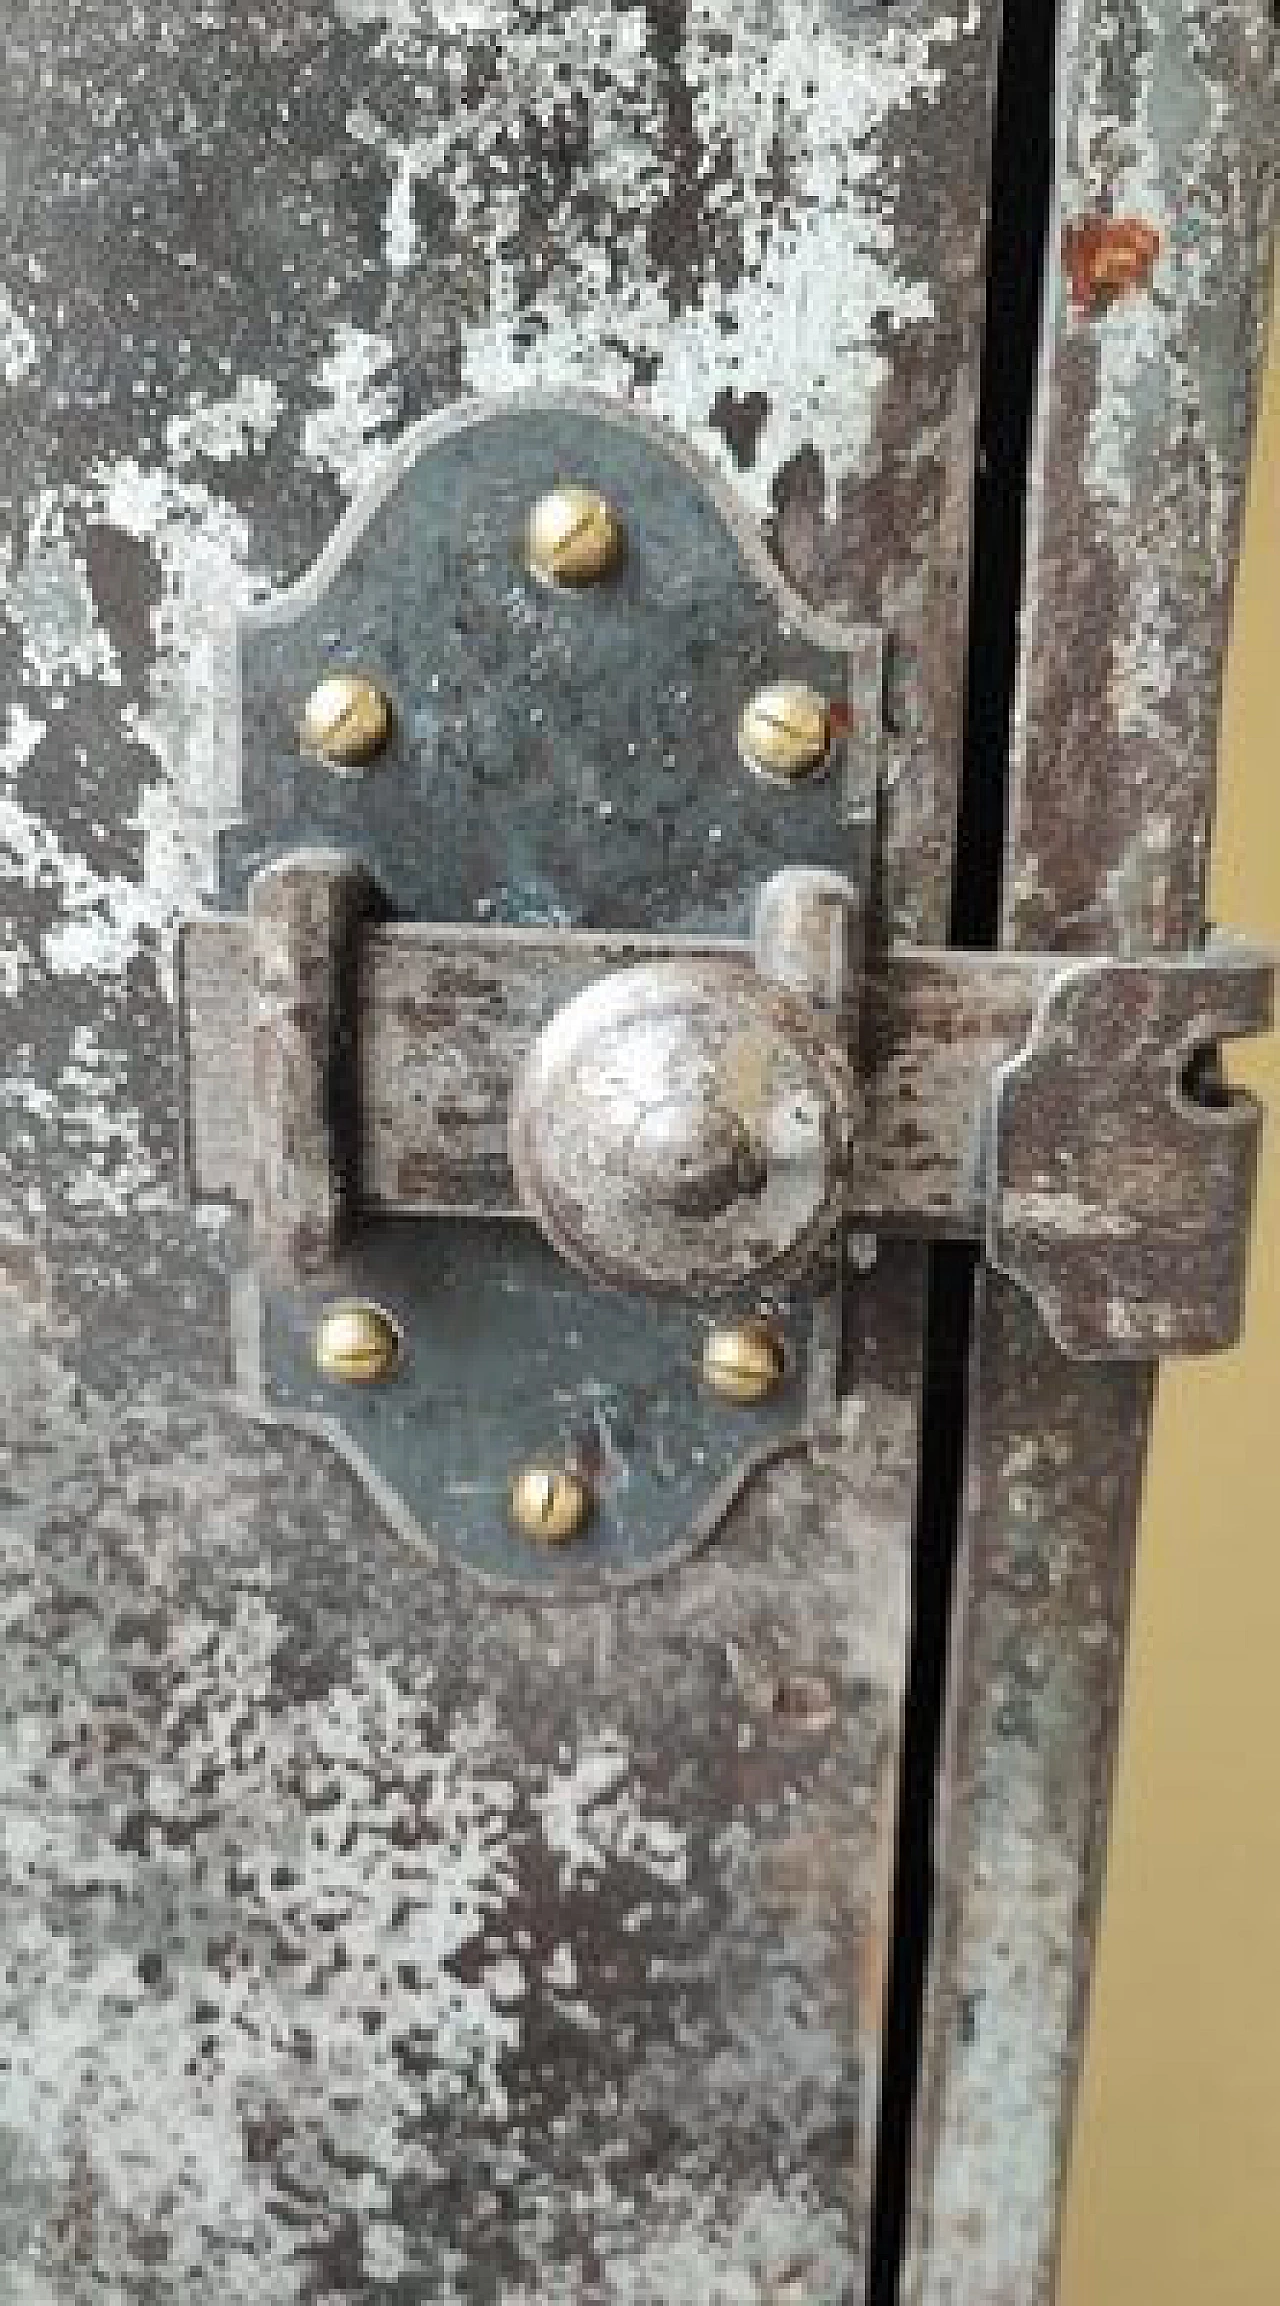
column 558, row 757
column 510, row 1358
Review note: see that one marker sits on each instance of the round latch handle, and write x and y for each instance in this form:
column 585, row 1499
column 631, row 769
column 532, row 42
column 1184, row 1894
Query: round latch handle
column 679, row 1126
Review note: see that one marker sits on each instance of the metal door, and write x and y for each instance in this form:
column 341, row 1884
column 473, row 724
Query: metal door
column 382, row 1921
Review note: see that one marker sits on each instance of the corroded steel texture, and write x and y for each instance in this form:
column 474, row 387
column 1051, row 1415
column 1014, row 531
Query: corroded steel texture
column 1166, row 131
column 315, row 1871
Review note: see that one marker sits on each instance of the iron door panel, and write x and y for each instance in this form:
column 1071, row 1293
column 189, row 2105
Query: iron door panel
column 366, row 1934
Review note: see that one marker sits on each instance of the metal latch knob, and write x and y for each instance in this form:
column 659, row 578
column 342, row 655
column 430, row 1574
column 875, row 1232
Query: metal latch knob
column 681, row 1125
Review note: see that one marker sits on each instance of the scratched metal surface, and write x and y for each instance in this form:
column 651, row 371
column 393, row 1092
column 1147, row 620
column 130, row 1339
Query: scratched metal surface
column 362, row 1941
column 1167, row 132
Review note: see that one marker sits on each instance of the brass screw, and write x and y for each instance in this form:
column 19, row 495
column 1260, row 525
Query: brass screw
column 357, row 1343
column 785, row 730
column 743, row 1361
column 550, row 1503
column 347, row 720
column 573, row 537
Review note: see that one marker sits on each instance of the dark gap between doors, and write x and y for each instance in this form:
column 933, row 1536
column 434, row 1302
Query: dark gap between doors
column 1021, row 176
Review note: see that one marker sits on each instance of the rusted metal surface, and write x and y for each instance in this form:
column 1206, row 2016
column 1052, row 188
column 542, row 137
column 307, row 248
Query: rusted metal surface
column 360, row 1935
column 1166, row 120
column 1105, row 257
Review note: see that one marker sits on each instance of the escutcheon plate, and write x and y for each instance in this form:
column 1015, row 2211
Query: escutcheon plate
column 509, row 1358
column 558, row 757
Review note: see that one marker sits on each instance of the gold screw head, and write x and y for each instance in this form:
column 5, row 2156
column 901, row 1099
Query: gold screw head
column 573, row 537
column 550, row 1503
column 743, row 1361
column 357, row 1343
column 347, row 720
column 785, row 731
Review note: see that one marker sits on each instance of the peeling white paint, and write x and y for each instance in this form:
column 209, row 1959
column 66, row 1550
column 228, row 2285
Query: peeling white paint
column 1146, row 650
column 101, row 913
column 15, row 963
column 506, row 1982
column 19, row 350
column 817, row 272
column 561, row 1971
column 347, row 1780
column 362, row 401
column 392, row 1905
column 202, row 546
column 402, row 19
column 784, row 2248
column 114, row 1173
column 27, row 1098
column 23, row 735
column 222, row 430
column 49, row 598
column 1116, row 171
column 590, row 1818
column 410, row 161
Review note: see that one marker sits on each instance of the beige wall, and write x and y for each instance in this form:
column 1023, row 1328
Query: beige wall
column 1175, row 2190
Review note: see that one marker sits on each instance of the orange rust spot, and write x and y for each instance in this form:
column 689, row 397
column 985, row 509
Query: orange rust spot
column 1107, row 257
column 839, row 717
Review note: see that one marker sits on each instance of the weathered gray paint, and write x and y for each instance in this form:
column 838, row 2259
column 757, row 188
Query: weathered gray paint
column 1166, row 135
column 319, row 1877
column 315, row 1875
